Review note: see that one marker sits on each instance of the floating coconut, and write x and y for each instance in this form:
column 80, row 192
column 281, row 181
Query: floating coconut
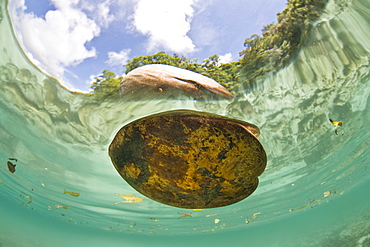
column 164, row 81
column 189, row 159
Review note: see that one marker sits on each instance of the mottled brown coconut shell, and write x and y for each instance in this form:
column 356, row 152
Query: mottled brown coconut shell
column 190, row 159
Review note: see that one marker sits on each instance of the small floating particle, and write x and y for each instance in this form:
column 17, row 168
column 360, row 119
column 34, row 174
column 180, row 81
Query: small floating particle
column 197, row 210
column 216, row 221
column 210, row 215
column 185, row 215
column 299, row 208
column 50, row 208
column 27, row 198
column 11, row 167
column 255, row 215
column 133, row 225
column 42, row 184
column 30, row 199
column 336, row 125
column 129, row 199
column 59, row 206
column 223, row 225
column 151, row 218
column 76, row 194
column 327, row 193
column 247, row 221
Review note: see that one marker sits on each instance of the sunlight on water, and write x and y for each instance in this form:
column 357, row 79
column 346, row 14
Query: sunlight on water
column 313, row 176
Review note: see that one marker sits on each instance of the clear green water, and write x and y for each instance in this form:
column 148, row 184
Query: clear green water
column 60, row 140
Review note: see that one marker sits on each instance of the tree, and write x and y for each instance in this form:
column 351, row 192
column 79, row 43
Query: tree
column 280, row 42
column 158, row 58
column 106, row 86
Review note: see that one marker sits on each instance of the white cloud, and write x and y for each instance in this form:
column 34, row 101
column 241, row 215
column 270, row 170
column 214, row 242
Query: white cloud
column 167, row 23
column 227, row 58
column 103, row 12
column 118, row 59
column 57, row 40
column 92, row 79
column 100, row 11
column 206, row 32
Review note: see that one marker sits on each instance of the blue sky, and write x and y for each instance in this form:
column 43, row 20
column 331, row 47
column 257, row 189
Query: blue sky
column 74, row 40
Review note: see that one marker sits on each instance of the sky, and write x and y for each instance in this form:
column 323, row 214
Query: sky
column 75, row 40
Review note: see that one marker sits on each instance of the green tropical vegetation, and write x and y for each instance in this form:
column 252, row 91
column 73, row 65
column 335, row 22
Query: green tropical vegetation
column 105, row 87
column 281, row 41
column 263, row 54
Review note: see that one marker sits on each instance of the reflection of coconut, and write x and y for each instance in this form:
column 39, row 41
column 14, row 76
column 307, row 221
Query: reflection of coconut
column 189, row 159
column 165, row 81
column 240, row 108
column 246, row 107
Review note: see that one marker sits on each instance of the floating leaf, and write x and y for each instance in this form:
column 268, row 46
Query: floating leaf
column 11, row 167
column 255, row 215
column 185, row 215
column 129, row 199
column 75, row 194
column 197, row 210
column 59, row 206
column 210, row 215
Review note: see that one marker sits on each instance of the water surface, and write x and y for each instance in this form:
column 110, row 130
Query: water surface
column 314, row 191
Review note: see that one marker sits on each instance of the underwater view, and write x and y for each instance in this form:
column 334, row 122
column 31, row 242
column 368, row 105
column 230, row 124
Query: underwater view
column 310, row 101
